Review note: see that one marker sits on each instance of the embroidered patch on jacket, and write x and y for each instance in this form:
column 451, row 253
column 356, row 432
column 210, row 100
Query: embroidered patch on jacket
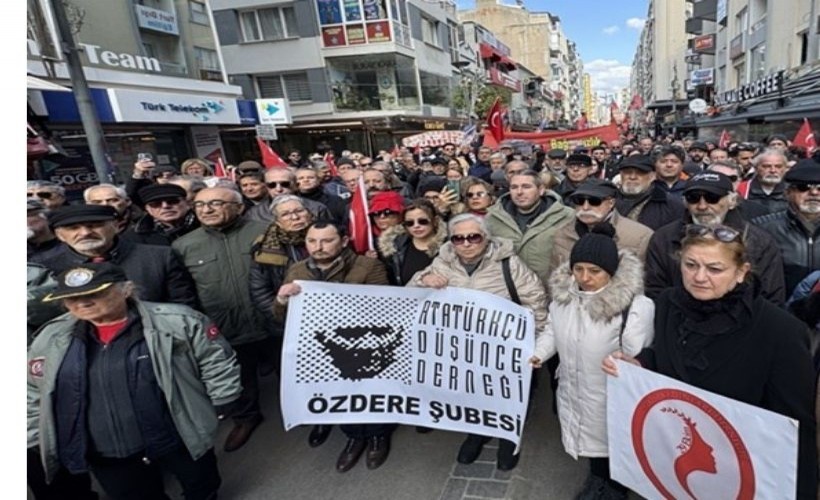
column 212, row 332
column 35, row 367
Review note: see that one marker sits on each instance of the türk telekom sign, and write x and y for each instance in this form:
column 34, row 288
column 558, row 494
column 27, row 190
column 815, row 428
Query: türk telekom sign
column 769, row 84
column 163, row 107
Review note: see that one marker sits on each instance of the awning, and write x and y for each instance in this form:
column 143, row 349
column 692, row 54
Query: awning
column 35, row 83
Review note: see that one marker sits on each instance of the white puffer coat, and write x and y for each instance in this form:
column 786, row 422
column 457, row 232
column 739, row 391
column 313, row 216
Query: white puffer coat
column 584, row 327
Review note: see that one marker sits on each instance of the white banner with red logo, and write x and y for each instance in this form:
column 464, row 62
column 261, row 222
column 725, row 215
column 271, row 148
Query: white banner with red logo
column 668, row 439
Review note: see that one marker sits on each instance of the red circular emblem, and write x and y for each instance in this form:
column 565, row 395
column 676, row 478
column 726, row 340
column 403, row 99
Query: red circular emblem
column 708, row 456
column 212, row 332
column 35, row 367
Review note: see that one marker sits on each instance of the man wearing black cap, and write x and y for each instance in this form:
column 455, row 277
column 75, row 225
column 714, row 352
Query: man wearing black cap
column 697, row 158
column 594, row 202
column 640, row 199
column 90, row 235
column 168, row 216
column 556, row 162
column 797, row 229
column 127, row 389
column 579, row 167
column 711, row 201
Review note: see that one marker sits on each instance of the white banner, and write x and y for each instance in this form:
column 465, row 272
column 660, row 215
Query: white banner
column 451, row 359
column 668, row 439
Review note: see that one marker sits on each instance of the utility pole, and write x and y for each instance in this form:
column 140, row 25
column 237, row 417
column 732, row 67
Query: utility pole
column 675, row 100
column 82, row 94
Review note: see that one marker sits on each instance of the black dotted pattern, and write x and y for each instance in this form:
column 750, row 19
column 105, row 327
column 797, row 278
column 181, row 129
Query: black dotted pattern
column 354, row 337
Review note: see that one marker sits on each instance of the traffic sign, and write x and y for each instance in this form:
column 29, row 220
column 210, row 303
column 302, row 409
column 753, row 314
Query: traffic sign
column 266, row 132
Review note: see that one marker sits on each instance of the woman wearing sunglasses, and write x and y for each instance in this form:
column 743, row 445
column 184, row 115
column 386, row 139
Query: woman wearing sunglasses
column 411, row 246
column 597, row 307
column 473, row 259
column 477, row 195
column 716, row 332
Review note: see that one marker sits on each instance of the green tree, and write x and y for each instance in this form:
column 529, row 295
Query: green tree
column 487, row 96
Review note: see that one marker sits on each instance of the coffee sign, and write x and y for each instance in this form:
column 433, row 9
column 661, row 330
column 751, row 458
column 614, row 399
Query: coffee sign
column 766, row 85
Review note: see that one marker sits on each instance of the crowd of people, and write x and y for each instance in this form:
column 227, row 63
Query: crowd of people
column 699, row 262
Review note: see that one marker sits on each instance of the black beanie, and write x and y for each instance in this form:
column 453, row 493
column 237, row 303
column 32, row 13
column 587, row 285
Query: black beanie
column 597, row 247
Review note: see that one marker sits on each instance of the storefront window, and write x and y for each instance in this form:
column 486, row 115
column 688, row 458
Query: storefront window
column 355, row 22
column 381, row 82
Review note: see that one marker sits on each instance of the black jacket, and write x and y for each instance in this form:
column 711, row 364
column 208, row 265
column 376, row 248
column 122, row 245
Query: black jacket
column 266, row 275
column 659, row 209
column 145, row 231
column 663, row 266
column 158, row 274
column 799, row 248
column 766, row 363
column 774, row 202
column 337, row 206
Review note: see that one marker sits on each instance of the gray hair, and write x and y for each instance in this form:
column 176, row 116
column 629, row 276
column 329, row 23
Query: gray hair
column 284, row 198
column 770, row 152
column 120, row 191
column 498, row 155
column 291, row 174
column 460, row 218
column 46, row 184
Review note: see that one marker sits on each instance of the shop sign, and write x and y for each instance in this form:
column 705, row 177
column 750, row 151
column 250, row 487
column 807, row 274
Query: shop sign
column 769, row 84
column 705, row 43
column 267, row 132
column 355, row 34
column 333, row 36
column 157, row 20
column 164, row 107
column 705, row 76
column 378, row 31
column 207, row 143
column 95, row 55
column 433, row 125
column 504, row 80
column 273, row 111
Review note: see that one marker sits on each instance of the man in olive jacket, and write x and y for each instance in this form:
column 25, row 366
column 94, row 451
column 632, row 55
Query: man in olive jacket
column 218, row 257
column 529, row 215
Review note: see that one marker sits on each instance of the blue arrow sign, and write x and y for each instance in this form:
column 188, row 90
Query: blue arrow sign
column 271, row 109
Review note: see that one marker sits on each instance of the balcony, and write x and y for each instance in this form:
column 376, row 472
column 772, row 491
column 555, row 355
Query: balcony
column 705, row 9
column 737, row 46
column 694, row 26
column 757, row 34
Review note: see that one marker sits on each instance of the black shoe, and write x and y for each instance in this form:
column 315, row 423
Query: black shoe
column 471, row 448
column 423, row 430
column 318, row 435
column 505, row 460
column 240, row 433
column 350, row 454
column 378, row 447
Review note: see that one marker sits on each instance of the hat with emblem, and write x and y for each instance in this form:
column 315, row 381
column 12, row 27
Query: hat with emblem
column 710, row 182
column 86, row 279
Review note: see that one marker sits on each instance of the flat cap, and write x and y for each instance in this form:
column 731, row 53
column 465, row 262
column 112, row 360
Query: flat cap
column 162, row 192
column 640, row 162
column 75, row 214
column 576, row 159
column 598, row 188
column 803, row 172
column 557, row 154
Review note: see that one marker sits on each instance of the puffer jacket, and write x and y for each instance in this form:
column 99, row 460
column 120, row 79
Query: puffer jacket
column 489, row 277
column 194, row 366
column 583, row 328
column 393, row 245
column 800, row 247
column 534, row 246
column 220, row 261
column 629, row 235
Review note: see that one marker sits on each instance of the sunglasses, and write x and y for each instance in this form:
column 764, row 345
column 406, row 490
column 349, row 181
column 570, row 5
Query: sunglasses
column 159, row 203
column 720, row 233
column 273, row 185
column 694, row 197
column 480, row 194
column 733, row 178
column 384, row 213
column 41, row 194
column 592, row 200
column 805, row 187
column 473, row 239
column 420, row 222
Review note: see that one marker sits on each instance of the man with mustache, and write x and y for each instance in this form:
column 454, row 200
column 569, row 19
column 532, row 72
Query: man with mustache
column 767, row 187
column 594, row 202
column 797, row 229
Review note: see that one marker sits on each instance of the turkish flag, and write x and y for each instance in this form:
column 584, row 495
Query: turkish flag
column 269, row 157
column 220, row 170
column 723, row 141
column 331, row 165
column 805, row 137
column 361, row 234
column 495, row 121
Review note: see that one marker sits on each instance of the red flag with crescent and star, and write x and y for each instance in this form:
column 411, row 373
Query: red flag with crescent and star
column 495, row 121
column 805, row 137
column 725, row 138
column 269, row 157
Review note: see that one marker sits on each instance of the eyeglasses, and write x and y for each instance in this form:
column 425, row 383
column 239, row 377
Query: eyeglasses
column 805, row 187
column 171, row 202
column 420, row 222
column 461, row 239
column 384, row 213
column 46, row 195
column 199, row 205
column 293, row 214
column 480, row 194
column 720, row 233
column 274, row 185
column 592, row 200
column 694, row 197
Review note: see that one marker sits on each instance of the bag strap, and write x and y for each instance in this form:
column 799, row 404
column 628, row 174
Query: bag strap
column 505, row 268
column 624, row 317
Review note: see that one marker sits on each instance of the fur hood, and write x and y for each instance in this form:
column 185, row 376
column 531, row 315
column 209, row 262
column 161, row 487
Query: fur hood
column 389, row 240
column 612, row 299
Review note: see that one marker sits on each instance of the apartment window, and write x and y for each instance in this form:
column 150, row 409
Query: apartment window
column 274, row 23
column 198, row 12
column 429, row 31
column 292, row 86
column 206, row 59
column 758, row 64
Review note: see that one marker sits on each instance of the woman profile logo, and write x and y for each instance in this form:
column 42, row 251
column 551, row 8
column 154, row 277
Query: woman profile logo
column 696, row 454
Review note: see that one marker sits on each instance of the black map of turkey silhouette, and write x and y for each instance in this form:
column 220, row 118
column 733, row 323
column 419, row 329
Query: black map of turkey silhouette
column 361, row 352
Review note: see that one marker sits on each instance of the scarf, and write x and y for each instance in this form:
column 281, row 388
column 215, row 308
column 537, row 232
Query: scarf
column 273, row 247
